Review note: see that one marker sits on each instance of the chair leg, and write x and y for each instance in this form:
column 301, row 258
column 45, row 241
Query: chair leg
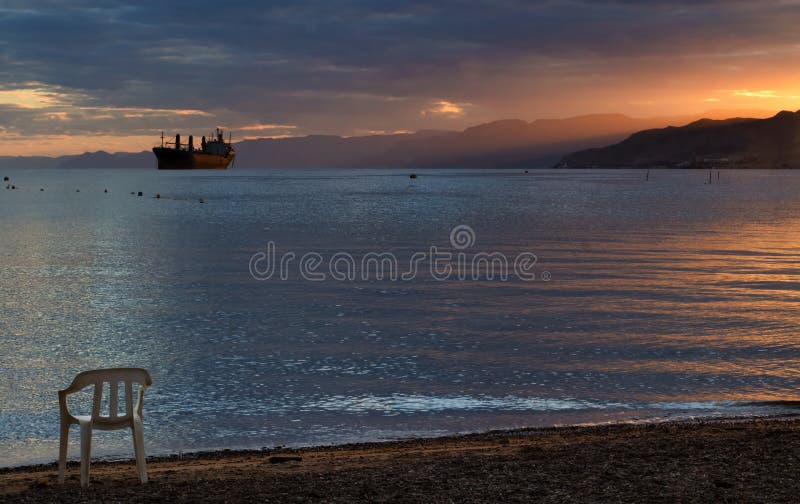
column 86, row 452
column 62, row 451
column 138, row 448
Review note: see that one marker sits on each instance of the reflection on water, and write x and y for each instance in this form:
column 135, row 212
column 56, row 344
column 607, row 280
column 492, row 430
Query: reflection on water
column 669, row 298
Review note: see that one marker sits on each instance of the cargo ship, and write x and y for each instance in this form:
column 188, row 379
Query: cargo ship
column 215, row 154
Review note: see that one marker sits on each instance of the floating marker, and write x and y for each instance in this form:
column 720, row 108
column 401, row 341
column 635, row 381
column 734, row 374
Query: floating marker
column 6, row 179
column 13, row 187
column 41, row 190
column 107, row 191
column 202, row 200
column 77, row 190
column 413, row 175
column 158, row 196
column 140, row 193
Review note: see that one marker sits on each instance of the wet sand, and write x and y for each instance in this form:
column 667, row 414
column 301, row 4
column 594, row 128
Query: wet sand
column 734, row 460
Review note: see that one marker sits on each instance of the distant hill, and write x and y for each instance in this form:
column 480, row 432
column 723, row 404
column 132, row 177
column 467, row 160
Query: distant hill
column 99, row 159
column 325, row 151
column 741, row 142
column 102, row 159
column 513, row 142
column 498, row 144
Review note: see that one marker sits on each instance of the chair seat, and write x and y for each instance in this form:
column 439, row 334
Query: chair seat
column 104, row 423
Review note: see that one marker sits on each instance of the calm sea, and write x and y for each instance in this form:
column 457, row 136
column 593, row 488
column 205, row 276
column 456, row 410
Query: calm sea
column 650, row 299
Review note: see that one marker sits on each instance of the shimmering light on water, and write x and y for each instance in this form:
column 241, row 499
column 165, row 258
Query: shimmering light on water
column 668, row 298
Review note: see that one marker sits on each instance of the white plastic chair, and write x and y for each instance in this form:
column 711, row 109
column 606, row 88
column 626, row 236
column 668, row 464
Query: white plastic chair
column 131, row 419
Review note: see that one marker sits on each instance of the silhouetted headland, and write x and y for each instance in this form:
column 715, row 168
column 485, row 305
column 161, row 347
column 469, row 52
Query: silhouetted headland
column 730, row 143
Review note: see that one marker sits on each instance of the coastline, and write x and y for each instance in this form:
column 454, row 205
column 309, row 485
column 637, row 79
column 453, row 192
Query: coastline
column 748, row 459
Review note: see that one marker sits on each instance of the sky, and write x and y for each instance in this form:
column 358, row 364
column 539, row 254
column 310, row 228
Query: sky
column 84, row 76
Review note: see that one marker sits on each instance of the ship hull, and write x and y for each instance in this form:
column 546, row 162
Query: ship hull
column 174, row 159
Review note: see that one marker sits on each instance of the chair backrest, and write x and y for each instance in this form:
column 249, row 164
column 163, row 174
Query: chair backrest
column 113, row 377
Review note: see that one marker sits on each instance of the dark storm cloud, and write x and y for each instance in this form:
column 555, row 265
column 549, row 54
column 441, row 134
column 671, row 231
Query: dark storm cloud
column 328, row 65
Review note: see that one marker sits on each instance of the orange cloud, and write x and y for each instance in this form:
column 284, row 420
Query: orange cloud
column 32, row 98
column 261, row 127
column 444, row 108
column 764, row 93
column 273, row 137
column 138, row 112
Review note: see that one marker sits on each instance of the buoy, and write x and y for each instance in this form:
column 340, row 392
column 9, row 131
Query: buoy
column 413, row 175
column 6, row 179
column 107, row 191
column 13, row 187
column 41, row 190
column 202, row 200
column 133, row 193
column 526, row 171
column 77, row 190
column 140, row 193
column 158, row 196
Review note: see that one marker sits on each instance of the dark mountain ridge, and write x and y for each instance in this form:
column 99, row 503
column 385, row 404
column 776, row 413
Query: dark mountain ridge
column 739, row 142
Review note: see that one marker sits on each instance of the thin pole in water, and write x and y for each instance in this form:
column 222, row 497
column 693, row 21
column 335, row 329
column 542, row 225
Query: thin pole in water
column 647, row 177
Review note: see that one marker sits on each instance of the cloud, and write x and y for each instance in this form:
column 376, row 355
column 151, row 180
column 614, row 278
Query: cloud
column 444, row 108
column 258, row 131
column 34, row 95
column 764, row 93
column 273, row 137
column 373, row 132
column 261, row 127
column 711, row 100
column 135, row 112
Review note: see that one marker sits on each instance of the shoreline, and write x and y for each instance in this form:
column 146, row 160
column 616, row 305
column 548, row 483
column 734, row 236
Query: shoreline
column 701, row 459
column 215, row 452
column 764, row 410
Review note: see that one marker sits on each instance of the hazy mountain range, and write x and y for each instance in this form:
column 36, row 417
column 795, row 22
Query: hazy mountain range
column 505, row 143
column 747, row 143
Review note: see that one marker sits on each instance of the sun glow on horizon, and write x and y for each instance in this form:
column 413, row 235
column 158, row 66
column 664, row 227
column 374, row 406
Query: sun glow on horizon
column 77, row 125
